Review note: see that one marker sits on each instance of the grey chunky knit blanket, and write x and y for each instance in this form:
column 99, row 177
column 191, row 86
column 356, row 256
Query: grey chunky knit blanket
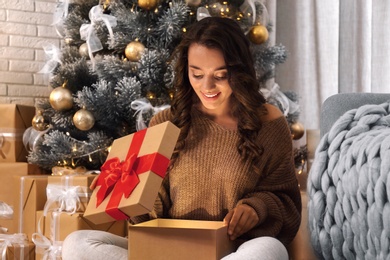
column 349, row 187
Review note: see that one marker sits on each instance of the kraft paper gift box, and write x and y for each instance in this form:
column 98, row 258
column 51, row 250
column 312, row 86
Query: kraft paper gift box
column 176, row 239
column 7, row 190
column 69, row 193
column 56, row 226
column 30, row 196
column 21, row 252
column 138, row 162
column 16, row 246
column 15, row 119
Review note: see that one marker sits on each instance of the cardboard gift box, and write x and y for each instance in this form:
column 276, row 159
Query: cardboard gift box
column 53, row 228
column 7, row 191
column 21, row 252
column 30, row 196
column 15, row 119
column 58, row 225
column 132, row 174
column 69, row 193
column 176, row 239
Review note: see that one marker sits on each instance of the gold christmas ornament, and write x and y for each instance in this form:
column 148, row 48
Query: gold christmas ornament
column 193, row 3
column 148, row 4
column 258, row 34
column 83, row 50
column 83, row 120
column 68, row 41
column 297, row 130
column 61, row 98
column 38, row 122
column 134, row 50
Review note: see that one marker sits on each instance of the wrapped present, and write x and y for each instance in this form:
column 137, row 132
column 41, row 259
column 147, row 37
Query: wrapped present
column 15, row 119
column 7, row 191
column 30, row 196
column 179, row 239
column 16, row 247
column 132, row 174
column 53, row 228
column 68, row 193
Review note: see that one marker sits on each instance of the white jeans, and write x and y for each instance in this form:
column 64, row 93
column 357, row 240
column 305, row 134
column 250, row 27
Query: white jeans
column 100, row 245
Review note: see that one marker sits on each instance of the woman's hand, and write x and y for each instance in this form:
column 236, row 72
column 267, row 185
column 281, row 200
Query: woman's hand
column 240, row 220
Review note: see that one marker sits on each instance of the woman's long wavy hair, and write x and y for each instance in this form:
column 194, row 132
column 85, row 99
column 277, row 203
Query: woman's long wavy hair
column 225, row 35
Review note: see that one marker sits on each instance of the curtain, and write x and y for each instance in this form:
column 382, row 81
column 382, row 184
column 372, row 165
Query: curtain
column 334, row 46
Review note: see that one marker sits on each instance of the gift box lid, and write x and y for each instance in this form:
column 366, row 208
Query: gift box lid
column 138, row 163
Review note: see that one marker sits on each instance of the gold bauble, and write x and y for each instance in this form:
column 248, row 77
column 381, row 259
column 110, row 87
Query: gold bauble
column 258, row 34
column 83, row 50
column 134, row 51
column 61, row 99
column 148, row 4
column 297, row 130
column 68, row 40
column 83, row 120
column 38, row 122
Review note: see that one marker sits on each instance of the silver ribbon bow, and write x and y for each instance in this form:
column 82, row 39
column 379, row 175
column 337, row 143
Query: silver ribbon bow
column 88, row 33
column 53, row 53
column 143, row 106
column 274, row 94
column 68, row 198
column 59, row 15
column 6, row 211
column 45, row 247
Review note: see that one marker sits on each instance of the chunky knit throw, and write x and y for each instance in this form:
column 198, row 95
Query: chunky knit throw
column 349, row 187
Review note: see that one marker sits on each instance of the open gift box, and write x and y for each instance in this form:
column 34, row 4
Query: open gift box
column 177, row 239
column 132, row 174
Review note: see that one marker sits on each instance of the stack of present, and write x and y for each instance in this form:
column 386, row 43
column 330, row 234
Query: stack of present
column 67, row 199
column 136, row 166
column 15, row 119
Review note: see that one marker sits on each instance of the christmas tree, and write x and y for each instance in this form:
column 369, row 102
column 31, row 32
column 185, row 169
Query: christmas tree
column 115, row 68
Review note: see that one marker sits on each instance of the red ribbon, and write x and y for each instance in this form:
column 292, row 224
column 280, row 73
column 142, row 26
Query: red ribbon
column 121, row 178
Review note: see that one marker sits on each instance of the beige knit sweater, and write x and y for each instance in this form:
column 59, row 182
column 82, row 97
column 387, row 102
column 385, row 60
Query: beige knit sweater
column 209, row 178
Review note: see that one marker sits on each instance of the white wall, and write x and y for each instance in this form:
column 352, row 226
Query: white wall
column 25, row 25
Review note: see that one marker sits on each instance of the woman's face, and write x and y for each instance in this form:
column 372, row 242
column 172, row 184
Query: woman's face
column 207, row 73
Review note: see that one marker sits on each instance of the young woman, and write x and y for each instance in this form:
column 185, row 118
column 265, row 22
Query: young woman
column 234, row 157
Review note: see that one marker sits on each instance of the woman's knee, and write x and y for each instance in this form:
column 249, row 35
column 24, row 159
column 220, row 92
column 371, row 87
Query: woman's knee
column 261, row 248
